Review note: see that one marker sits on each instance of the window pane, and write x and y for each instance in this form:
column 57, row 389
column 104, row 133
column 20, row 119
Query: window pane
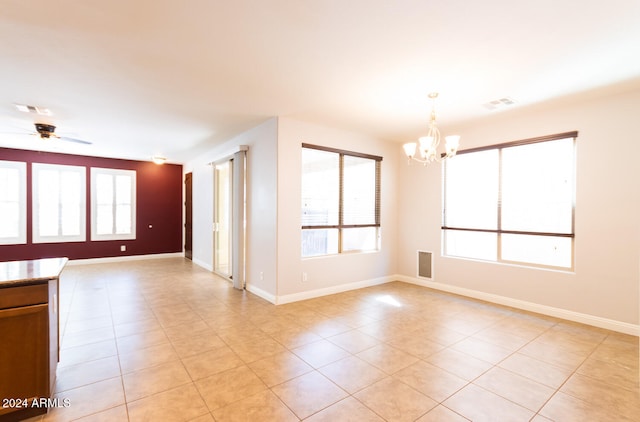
column 48, row 202
column 9, row 184
column 360, row 239
column 123, row 219
column 69, row 221
column 320, row 187
column 543, row 250
column 319, row 242
column 465, row 244
column 70, row 188
column 537, row 187
column 9, row 219
column 104, row 205
column 123, row 189
column 104, row 217
column 104, row 189
column 9, row 202
column 359, row 196
column 471, row 190
column 70, row 203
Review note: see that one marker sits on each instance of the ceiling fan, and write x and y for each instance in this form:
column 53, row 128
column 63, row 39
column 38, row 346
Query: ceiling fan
column 47, row 131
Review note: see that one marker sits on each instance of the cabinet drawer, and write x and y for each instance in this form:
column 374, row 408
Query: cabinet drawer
column 13, row 297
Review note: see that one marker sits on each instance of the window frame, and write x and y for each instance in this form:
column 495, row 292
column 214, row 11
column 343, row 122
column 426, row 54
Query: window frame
column 35, row 214
column 499, row 231
column 21, row 238
column 341, row 226
column 95, row 172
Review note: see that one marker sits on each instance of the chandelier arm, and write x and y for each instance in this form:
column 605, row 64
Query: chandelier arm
column 437, row 159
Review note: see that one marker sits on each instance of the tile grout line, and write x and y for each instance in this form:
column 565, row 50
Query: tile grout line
column 574, row 372
column 115, row 339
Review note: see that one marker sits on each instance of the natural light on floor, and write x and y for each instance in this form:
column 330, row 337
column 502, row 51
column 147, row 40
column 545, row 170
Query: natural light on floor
column 389, row 300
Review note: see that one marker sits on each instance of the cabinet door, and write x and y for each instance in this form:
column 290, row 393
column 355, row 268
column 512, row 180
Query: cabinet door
column 24, row 350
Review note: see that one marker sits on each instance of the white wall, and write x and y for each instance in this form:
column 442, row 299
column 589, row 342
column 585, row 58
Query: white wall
column 331, row 273
column 261, row 204
column 606, row 279
column 273, row 212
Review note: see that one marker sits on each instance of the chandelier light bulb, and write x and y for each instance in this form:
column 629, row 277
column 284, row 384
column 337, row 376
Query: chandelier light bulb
column 410, row 149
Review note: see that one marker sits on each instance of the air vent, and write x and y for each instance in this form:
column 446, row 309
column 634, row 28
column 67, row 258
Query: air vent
column 499, row 104
column 42, row 111
column 425, row 264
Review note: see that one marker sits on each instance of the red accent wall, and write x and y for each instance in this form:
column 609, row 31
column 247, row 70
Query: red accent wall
column 159, row 204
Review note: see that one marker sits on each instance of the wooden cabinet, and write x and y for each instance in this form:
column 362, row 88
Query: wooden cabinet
column 29, row 346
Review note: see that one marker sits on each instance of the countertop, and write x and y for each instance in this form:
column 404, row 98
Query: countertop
column 19, row 273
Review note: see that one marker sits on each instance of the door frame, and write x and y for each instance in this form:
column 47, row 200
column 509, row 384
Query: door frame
column 238, row 215
column 217, row 217
column 188, row 216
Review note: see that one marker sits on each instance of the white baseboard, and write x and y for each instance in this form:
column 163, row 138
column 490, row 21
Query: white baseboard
column 609, row 324
column 310, row 294
column 89, row 261
column 261, row 293
column 202, row 264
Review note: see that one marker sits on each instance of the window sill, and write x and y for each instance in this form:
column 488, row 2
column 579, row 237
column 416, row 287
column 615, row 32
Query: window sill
column 561, row 270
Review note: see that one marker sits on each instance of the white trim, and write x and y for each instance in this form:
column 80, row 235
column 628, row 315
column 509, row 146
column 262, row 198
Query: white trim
column 261, row 293
column 609, row 324
column 107, row 260
column 596, row 321
column 310, row 294
column 228, row 154
column 238, row 200
column 202, row 264
column 95, row 172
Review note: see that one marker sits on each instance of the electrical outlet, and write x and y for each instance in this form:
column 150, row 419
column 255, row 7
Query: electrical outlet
column 304, row 276
column 261, row 275
column 123, row 248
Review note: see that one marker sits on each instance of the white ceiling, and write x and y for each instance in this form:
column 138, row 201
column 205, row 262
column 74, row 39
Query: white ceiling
column 175, row 77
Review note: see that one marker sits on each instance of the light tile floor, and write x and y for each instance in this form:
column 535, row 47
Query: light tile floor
column 164, row 340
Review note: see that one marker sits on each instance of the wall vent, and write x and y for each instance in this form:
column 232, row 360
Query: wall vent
column 425, row 264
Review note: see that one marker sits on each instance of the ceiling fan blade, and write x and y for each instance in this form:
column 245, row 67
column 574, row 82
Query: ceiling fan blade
column 78, row 141
column 26, row 132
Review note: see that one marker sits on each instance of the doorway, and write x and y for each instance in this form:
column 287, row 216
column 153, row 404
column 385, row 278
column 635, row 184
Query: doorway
column 222, row 209
column 229, row 217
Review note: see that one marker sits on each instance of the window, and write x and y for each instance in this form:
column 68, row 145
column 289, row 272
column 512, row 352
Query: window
column 13, row 203
column 512, row 202
column 340, row 201
column 113, row 204
column 59, row 203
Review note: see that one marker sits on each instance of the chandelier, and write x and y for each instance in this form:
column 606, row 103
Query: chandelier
column 428, row 145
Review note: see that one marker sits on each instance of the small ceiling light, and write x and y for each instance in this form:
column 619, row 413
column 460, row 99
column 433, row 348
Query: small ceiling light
column 159, row 160
column 428, row 145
